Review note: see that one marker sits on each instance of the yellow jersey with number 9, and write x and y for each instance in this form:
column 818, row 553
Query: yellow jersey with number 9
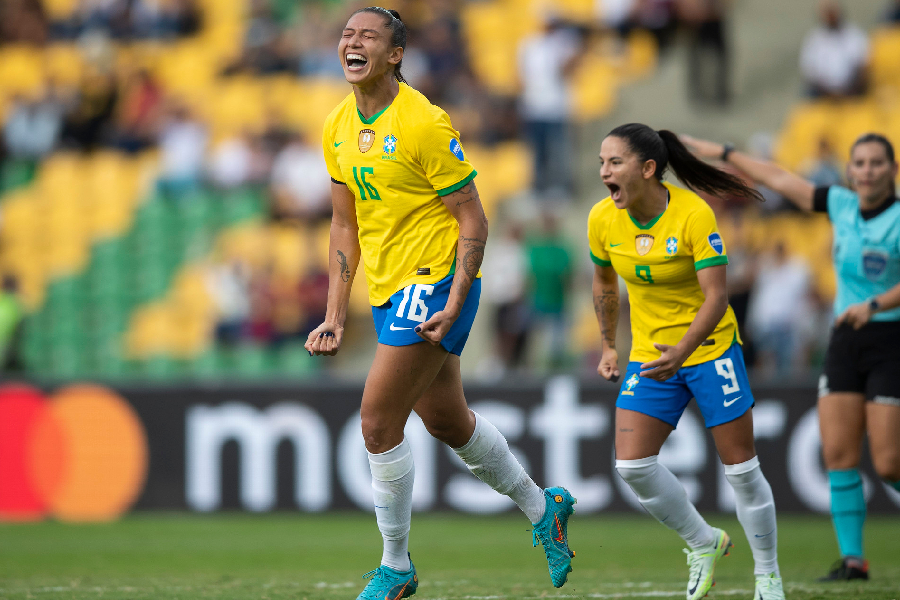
column 398, row 163
column 659, row 263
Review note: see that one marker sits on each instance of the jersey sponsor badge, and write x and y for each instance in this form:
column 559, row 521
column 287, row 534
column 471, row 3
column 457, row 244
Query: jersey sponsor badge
column 456, row 149
column 874, row 263
column 642, row 243
column 715, row 242
column 390, row 144
column 366, row 140
column 671, row 245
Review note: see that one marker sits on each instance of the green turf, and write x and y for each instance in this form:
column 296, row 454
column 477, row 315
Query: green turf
column 323, row 556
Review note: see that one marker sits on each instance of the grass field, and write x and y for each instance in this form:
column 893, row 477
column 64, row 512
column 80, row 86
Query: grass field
column 324, row 556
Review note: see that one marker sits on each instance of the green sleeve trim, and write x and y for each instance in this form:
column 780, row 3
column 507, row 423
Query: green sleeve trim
column 456, row 186
column 710, row 262
column 600, row 261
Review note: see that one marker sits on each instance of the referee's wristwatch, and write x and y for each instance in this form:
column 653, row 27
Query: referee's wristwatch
column 874, row 305
column 726, row 150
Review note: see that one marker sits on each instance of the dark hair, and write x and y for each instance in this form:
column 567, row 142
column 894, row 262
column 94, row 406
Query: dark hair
column 398, row 31
column 666, row 149
column 877, row 138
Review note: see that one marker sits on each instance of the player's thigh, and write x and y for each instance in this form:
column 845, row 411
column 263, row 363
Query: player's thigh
column 443, row 407
column 397, row 379
column 883, row 418
column 734, row 439
column 842, row 424
column 639, row 435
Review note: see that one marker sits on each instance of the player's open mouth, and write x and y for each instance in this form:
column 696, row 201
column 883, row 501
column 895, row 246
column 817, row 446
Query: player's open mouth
column 356, row 62
column 614, row 190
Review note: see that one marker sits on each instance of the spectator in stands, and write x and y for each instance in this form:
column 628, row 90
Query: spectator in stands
column 825, row 171
column 300, row 184
column 138, row 112
column 892, row 13
column 550, row 283
column 228, row 285
column 546, row 61
column 182, row 147
column 781, row 313
column 88, row 122
column 708, row 66
column 266, row 49
column 32, row 127
column 505, row 271
column 23, row 22
column 834, row 56
column 238, row 161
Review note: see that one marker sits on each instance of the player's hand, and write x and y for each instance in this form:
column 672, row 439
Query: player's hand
column 324, row 339
column 856, row 315
column 702, row 148
column 434, row 329
column 609, row 365
column 666, row 365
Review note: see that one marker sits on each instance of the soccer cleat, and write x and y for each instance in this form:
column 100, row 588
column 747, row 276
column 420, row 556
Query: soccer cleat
column 388, row 584
column 551, row 531
column 848, row 568
column 768, row 587
column 702, row 565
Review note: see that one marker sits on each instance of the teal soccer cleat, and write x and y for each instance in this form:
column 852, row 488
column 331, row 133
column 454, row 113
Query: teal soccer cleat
column 388, row 584
column 551, row 531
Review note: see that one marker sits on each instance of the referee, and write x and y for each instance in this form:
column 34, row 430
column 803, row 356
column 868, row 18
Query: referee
column 859, row 391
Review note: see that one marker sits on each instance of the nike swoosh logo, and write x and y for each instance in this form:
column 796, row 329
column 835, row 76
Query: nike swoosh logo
column 766, row 535
column 398, row 328
column 614, row 245
column 696, row 583
column 336, row 144
column 728, row 403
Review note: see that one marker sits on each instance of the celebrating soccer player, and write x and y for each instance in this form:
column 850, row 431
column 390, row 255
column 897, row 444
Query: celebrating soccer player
column 663, row 241
column 859, row 392
column 405, row 201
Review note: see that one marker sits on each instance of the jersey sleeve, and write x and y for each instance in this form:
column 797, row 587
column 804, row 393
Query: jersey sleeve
column 706, row 242
column 441, row 155
column 328, row 149
column 840, row 201
column 597, row 229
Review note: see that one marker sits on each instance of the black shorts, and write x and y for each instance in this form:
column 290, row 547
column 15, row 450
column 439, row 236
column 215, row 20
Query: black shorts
column 865, row 361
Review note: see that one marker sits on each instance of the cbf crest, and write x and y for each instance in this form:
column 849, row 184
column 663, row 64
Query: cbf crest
column 672, row 246
column 631, row 383
column 390, row 144
column 643, row 243
column 366, row 140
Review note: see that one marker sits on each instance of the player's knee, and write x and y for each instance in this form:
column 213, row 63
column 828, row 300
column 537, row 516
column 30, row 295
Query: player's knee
column 888, row 466
column 838, row 457
column 380, row 434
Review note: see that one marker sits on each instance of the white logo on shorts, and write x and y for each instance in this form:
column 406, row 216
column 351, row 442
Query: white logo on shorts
column 728, row 403
column 393, row 328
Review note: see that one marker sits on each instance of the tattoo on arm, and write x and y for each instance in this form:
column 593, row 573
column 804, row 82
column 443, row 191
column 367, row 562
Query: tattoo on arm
column 606, row 305
column 473, row 257
column 467, row 193
column 345, row 268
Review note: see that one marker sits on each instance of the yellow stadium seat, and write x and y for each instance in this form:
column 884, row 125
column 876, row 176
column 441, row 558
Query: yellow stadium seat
column 885, row 58
column 595, row 84
column 59, row 9
column 21, row 70
column 64, row 63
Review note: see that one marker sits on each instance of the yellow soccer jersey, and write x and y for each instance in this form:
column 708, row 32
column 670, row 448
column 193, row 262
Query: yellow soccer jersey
column 398, row 164
column 658, row 262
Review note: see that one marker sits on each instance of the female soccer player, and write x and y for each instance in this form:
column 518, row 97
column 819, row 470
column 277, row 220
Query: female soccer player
column 859, row 391
column 405, row 202
column 662, row 240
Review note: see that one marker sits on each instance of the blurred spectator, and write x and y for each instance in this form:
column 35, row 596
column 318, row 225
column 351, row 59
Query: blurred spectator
column 23, row 22
column 781, row 315
column 300, row 186
column 834, row 56
column 88, row 122
column 892, row 13
column 238, row 161
column 445, row 55
column 550, row 262
column 265, row 49
column 32, row 128
column 546, row 61
column 11, row 316
column 138, row 112
column 708, row 59
column 826, row 170
column 131, row 19
column 228, row 286
column 182, row 146
column 505, row 275
column 741, row 273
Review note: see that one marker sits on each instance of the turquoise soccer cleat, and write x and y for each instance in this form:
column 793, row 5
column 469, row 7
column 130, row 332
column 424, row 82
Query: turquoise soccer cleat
column 388, row 584
column 552, row 533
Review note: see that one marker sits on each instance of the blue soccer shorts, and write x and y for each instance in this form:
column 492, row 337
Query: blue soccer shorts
column 396, row 319
column 720, row 387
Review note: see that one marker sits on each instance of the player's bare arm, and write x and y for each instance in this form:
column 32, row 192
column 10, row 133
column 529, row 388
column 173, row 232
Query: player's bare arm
column 605, row 288
column 465, row 206
column 344, row 255
column 712, row 283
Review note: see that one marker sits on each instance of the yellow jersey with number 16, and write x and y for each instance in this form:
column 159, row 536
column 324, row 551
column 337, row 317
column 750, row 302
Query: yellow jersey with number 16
column 659, row 263
column 398, row 163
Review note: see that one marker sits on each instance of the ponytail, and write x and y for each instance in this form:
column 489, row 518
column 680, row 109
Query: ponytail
column 666, row 150
column 398, row 32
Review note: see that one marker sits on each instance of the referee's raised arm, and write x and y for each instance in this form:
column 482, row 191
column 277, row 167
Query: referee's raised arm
column 790, row 185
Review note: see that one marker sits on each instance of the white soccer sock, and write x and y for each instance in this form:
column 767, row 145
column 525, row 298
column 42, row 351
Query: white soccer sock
column 756, row 512
column 488, row 457
column 393, row 473
column 663, row 496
